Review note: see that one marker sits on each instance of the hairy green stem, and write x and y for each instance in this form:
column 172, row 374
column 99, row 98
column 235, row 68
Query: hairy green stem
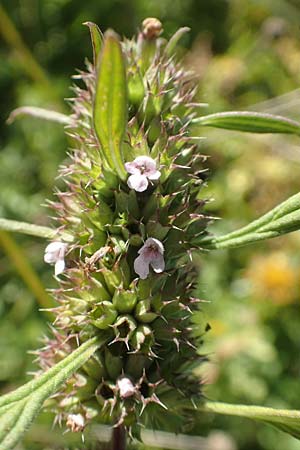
column 31, row 229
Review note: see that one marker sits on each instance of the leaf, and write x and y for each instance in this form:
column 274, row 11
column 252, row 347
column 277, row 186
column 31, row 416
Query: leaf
column 282, row 419
column 170, row 47
column 110, row 107
column 97, row 40
column 253, row 122
column 19, row 408
column 40, row 113
column 284, row 218
column 33, row 230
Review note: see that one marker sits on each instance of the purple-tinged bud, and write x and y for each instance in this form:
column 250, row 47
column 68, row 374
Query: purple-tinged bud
column 151, row 28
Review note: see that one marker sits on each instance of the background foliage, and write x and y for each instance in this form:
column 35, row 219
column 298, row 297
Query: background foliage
column 245, row 52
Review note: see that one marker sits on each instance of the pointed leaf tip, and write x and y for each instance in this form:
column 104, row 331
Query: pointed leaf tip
column 110, row 105
column 97, row 40
column 283, row 419
column 252, row 122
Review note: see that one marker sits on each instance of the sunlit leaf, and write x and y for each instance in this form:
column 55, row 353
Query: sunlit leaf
column 40, row 113
column 253, row 122
column 110, row 107
column 19, row 408
column 284, row 218
column 97, row 40
column 282, row 419
column 31, row 229
column 174, row 40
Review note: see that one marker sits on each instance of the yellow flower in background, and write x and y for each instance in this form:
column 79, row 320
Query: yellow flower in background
column 274, row 277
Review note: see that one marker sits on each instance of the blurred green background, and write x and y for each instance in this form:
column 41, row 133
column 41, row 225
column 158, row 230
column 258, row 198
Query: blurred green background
column 247, row 55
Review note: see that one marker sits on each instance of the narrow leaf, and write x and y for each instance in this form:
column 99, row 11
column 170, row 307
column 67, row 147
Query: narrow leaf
column 171, row 45
column 284, row 218
column 252, row 122
column 40, row 113
column 33, row 230
column 110, row 106
column 97, row 40
column 282, row 419
column 19, row 408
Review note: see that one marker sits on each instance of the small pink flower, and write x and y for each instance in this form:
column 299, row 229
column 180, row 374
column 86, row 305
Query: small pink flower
column 142, row 169
column 150, row 254
column 126, row 388
column 55, row 254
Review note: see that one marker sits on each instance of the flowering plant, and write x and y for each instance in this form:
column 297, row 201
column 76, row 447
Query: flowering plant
column 131, row 217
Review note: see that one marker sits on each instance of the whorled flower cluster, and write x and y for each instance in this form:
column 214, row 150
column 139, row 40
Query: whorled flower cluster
column 128, row 275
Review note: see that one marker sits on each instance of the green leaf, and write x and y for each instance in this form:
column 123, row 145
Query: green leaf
column 282, row 419
column 252, row 122
column 110, row 107
column 19, row 408
column 97, row 40
column 40, row 113
column 33, row 230
column 171, row 45
column 284, row 218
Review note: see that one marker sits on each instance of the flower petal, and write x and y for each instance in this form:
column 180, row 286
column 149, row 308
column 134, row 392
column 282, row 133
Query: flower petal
column 141, row 267
column 152, row 241
column 138, row 182
column 131, row 167
column 145, row 161
column 59, row 267
column 154, row 175
column 158, row 264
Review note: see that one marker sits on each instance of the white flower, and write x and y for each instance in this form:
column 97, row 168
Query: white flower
column 142, row 169
column 126, row 388
column 150, row 254
column 55, row 254
column 76, row 422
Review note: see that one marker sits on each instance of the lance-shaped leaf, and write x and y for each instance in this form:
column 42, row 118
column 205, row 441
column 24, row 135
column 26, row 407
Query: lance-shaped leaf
column 252, row 122
column 171, row 45
column 282, row 419
column 284, row 218
column 96, row 38
column 19, row 408
column 110, row 106
column 33, row 230
column 40, row 113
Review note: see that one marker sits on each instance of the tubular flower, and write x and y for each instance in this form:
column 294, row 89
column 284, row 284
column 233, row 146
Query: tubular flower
column 150, row 254
column 142, row 169
column 55, row 254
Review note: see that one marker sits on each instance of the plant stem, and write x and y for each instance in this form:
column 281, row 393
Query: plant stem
column 118, row 438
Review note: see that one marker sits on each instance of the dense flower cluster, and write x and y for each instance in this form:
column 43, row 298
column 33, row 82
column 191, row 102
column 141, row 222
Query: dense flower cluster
column 128, row 276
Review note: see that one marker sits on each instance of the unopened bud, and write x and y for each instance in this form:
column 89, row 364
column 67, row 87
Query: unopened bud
column 124, row 301
column 143, row 312
column 104, row 315
column 151, row 28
